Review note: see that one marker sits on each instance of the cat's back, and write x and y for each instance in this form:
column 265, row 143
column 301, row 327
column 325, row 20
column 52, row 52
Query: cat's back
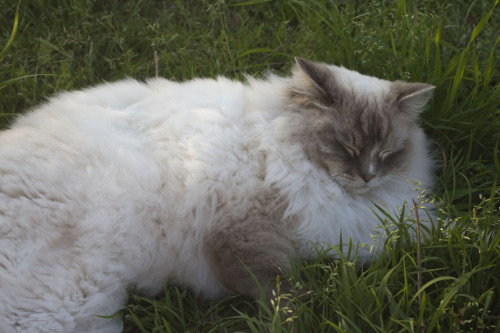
column 128, row 141
column 131, row 100
column 118, row 113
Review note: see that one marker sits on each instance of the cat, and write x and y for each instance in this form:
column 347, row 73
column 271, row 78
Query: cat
column 142, row 184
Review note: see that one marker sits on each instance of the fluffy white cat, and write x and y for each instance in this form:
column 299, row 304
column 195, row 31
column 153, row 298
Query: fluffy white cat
column 143, row 184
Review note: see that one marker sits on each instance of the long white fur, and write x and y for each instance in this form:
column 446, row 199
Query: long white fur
column 116, row 185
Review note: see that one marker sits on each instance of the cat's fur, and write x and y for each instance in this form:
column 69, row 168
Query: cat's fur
column 143, row 184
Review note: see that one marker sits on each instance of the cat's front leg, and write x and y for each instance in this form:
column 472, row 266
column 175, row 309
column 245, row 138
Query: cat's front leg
column 256, row 246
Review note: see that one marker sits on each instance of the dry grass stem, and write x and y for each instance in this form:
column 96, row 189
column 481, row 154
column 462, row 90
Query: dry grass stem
column 419, row 265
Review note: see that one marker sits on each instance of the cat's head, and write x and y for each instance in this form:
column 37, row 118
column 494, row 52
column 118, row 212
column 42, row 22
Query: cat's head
column 362, row 130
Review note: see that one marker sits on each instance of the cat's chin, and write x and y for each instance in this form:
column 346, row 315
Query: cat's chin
column 361, row 189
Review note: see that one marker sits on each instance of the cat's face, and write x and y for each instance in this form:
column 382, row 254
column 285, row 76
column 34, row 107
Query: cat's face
column 363, row 150
column 359, row 129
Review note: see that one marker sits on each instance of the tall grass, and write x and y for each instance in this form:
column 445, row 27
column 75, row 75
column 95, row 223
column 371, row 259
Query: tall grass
column 451, row 44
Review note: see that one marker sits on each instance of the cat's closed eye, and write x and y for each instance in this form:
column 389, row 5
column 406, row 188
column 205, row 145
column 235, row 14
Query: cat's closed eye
column 384, row 153
column 352, row 150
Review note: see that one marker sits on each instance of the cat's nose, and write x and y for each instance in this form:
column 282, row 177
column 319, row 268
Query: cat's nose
column 367, row 176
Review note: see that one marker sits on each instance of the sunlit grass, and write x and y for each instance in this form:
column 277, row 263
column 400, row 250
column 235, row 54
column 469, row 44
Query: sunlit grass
column 452, row 45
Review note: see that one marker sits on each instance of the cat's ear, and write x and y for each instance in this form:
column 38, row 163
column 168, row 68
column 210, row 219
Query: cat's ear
column 411, row 98
column 318, row 74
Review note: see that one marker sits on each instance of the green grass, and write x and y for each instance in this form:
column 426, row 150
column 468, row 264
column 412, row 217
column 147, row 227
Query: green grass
column 451, row 44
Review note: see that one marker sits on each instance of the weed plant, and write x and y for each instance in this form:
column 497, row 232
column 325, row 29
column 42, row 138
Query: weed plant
column 49, row 46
